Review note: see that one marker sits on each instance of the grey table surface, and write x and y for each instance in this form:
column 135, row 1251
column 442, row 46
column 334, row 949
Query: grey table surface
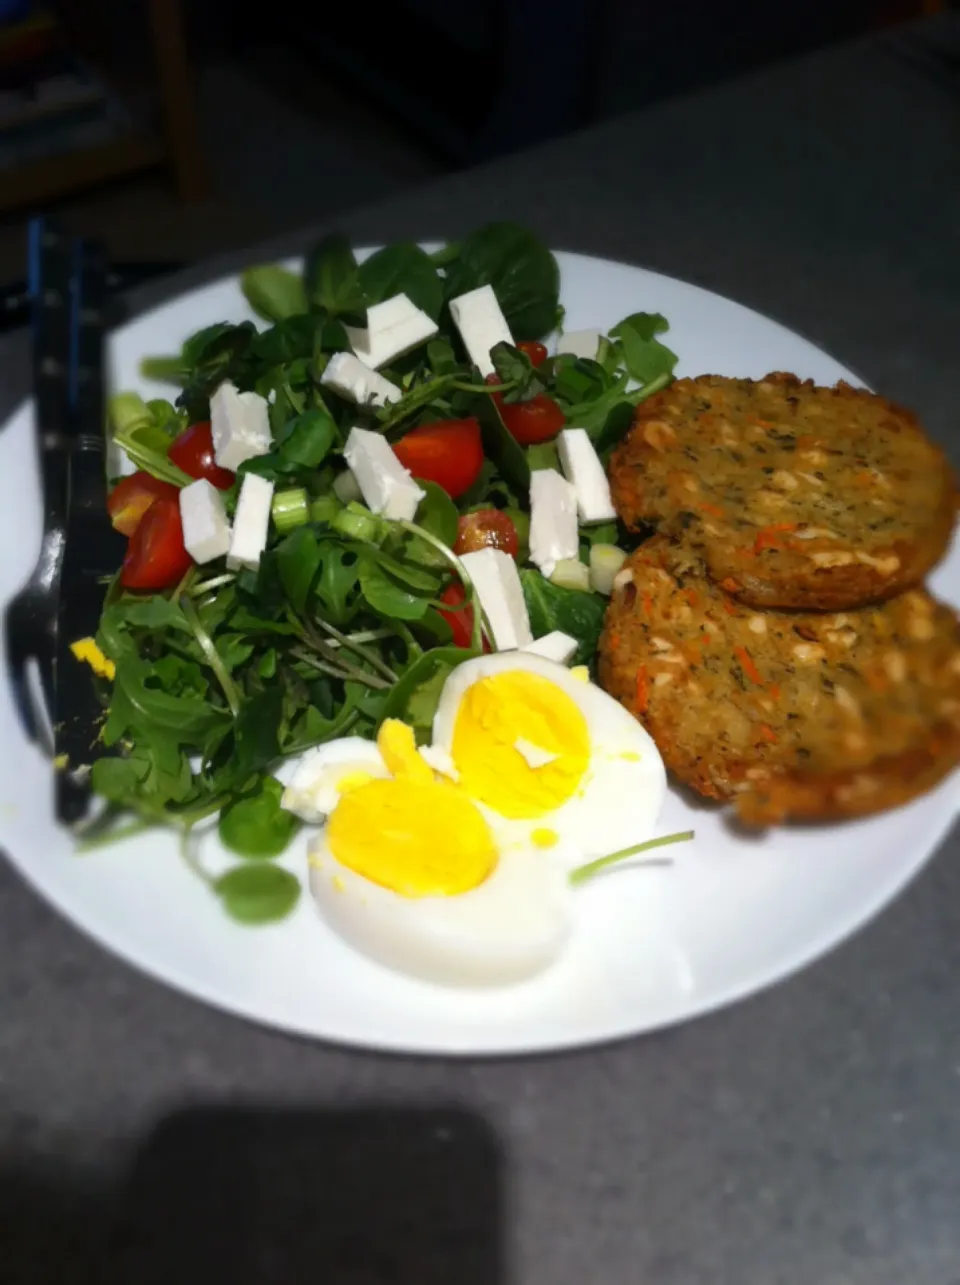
column 811, row 1134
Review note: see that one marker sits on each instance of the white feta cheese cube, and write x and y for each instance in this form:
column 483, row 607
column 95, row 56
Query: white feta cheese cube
column 393, row 328
column 239, row 426
column 553, row 519
column 581, row 464
column 250, row 523
column 580, row 343
column 556, row 646
column 348, row 376
column 497, row 582
column 206, row 528
column 482, row 325
column 384, row 483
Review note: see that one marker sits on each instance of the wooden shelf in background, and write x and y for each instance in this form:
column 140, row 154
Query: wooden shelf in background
column 45, row 180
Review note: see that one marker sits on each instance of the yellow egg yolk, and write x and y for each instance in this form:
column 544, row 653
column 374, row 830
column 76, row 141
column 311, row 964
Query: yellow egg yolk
column 398, row 749
column 498, row 711
column 86, row 650
column 544, row 838
column 417, row 838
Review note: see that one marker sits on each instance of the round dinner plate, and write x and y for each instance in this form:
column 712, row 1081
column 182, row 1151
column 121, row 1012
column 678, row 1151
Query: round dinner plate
column 653, row 946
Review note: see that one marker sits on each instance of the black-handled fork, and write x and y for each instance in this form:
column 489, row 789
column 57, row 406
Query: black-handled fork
column 30, row 620
column 93, row 550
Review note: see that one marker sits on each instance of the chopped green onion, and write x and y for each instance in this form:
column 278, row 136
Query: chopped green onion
column 345, row 487
column 127, row 411
column 582, row 873
column 570, row 573
column 166, row 370
column 605, row 561
column 290, row 509
column 358, row 523
column 324, row 508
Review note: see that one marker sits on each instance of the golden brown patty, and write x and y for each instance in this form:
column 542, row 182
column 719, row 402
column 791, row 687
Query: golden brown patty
column 795, row 496
column 789, row 714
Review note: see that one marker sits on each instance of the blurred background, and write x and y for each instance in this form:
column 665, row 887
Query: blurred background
column 175, row 130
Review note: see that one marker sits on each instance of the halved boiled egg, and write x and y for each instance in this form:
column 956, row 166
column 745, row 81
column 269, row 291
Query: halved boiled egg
column 549, row 752
column 451, row 862
column 410, row 871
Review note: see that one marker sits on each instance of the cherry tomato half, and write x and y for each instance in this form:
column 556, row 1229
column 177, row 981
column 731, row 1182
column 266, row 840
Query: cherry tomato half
column 193, row 452
column 536, row 351
column 449, row 453
column 486, row 529
column 156, row 558
column 130, row 499
column 537, row 420
column 460, row 617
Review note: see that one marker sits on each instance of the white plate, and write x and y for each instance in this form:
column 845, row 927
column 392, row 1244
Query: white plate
column 652, row 947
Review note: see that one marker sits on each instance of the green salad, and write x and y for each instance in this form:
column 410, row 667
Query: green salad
column 215, row 670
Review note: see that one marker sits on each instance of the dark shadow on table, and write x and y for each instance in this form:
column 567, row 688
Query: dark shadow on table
column 257, row 1195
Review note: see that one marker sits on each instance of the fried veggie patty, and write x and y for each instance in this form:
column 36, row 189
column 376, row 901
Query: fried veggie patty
column 794, row 496
column 787, row 714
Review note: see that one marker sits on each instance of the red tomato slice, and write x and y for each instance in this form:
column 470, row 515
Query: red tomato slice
column 460, row 618
column 130, row 499
column 537, row 420
column 156, row 558
column 449, row 453
column 536, row 351
column 486, row 529
column 193, row 452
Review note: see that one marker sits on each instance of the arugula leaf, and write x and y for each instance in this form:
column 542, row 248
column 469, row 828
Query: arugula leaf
column 613, row 427
column 305, row 442
column 255, row 741
column 140, row 703
column 438, row 515
column 441, row 357
column 290, row 340
column 330, row 276
column 543, row 455
column 256, row 894
column 387, row 597
column 575, row 613
column 578, row 379
column 117, row 779
column 646, row 324
column 644, row 356
column 402, row 269
column 255, row 826
column 298, row 560
column 501, row 447
column 522, row 271
column 515, row 367
column 490, row 490
column 339, row 575
column 415, row 698
column 273, row 292
column 220, row 355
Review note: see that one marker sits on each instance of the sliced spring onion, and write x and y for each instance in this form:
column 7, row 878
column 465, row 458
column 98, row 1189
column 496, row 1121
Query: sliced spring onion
column 345, row 487
column 582, row 873
column 324, row 508
column 570, row 573
column 357, row 523
column 605, row 561
column 290, row 509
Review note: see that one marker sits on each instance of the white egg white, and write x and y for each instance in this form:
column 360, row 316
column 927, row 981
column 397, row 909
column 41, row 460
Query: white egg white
column 511, row 927
column 314, row 789
column 622, row 792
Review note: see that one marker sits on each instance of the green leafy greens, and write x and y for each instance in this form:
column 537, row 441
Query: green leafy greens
column 221, row 678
